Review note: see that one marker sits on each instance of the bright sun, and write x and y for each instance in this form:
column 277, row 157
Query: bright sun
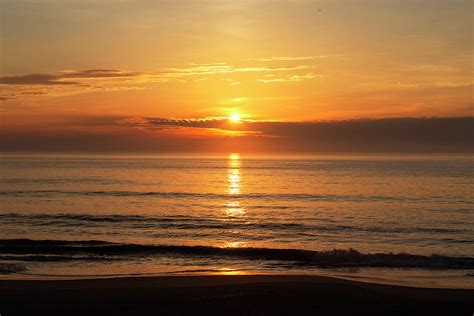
column 234, row 118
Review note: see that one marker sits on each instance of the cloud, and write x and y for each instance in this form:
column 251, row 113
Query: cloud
column 98, row 73
column 35, row 79
column 221, row 68
column 435, row 68
column 64, row 77
column 230, row 81
column 68, row 82
column 294, row 58
column 284, row 58
column 362, row 135
column 292, row 78
column 217, row 134
column 203, row 122
column 83, row 77
column 189, row 127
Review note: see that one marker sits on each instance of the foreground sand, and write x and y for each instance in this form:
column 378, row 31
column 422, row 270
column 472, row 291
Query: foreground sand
column 226, row 295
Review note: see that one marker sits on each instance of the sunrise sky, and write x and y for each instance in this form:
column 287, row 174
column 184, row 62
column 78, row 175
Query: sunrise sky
column 166, row 75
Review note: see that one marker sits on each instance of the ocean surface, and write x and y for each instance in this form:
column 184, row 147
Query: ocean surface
column 405, row 219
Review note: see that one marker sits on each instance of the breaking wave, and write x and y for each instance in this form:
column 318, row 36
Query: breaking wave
column 63, row 250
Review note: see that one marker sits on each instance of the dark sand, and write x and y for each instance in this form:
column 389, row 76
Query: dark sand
column 227, row 295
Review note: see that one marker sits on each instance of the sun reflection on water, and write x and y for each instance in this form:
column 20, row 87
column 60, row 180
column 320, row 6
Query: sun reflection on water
column 229, row 271
column 233, row 207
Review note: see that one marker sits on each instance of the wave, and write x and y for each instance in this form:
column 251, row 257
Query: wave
column 61, row 250
column 94, row 181
column 182, row 222
column 264, row 196
column 10, row 268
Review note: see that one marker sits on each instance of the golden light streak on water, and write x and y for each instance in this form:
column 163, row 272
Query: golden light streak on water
column 233, row 207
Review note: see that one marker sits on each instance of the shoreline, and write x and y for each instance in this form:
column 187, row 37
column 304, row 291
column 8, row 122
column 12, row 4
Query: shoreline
column 225, row 294
column 411, row 278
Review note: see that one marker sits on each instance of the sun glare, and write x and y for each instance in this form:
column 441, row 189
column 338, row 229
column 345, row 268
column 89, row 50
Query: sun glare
column 234, row 118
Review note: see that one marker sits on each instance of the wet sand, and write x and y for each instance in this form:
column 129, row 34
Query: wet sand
column 226, row 295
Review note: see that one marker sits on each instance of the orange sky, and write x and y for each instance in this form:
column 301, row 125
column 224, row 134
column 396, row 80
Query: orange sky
column 68, row 63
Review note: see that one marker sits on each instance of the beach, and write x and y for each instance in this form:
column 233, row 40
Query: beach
column 226, row 295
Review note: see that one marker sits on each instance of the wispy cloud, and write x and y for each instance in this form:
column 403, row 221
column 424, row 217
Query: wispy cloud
column 292, row 78
column 204, row 122
column 99, row 73
column 35, row 79
column 64, row 77
column 68, row 82
column 81, row 77
column 221, row 68
column 294, row 58
column 230, row 81
column 189, row 127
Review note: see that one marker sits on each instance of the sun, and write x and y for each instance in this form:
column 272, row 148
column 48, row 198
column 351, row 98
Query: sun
column 234, row 118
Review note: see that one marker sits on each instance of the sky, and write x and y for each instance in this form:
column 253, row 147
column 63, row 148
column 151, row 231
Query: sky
column 98, row 75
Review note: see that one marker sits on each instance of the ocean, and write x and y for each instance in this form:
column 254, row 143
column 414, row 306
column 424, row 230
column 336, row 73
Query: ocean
column 402, row 219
